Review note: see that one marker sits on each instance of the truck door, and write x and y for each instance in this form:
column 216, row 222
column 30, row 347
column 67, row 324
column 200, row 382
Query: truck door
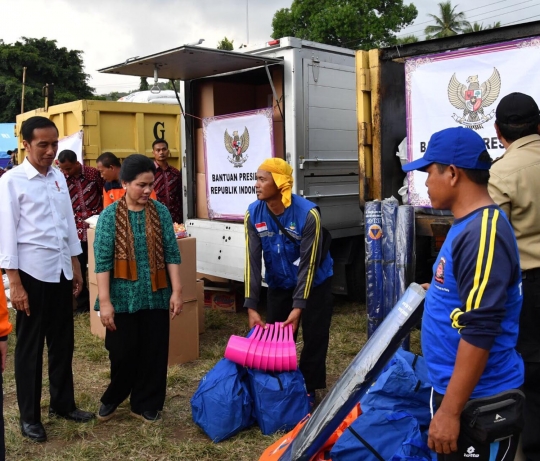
column 329, row 166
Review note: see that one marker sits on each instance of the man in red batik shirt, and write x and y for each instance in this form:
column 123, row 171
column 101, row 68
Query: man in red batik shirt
column 85, row 187
column 168, row 181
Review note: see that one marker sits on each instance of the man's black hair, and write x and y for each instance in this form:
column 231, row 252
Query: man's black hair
column 480, row 177
column 35, row 123
column 160, row 141
column 108, row 159
column 67, row 156
column 134, row 165
column 513, row 132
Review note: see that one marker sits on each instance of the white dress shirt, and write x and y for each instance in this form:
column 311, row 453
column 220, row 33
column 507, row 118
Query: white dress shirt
column 37, row 227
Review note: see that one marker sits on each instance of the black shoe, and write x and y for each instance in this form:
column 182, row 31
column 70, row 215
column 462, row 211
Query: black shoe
column 35, row 432
column 78, row 416
column 106, row 412
column 149, row 416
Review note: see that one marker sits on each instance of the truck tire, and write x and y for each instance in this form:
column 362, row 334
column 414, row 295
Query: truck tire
column 355, row 274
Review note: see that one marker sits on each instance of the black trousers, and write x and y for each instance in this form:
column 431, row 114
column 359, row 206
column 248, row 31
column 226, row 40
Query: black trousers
column 468, row 448
column 316, row 319
column 138, row 351
column 529, row 347
column 51, row 319
column 83, row 300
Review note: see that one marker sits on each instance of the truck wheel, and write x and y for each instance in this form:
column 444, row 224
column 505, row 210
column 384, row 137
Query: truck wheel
column 355, row 274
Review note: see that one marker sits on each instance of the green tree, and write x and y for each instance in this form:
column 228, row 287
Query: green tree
column 45, row 63
column 407, row 39
column 448, row 22
column 143, row 86
column 349, row 23
column 477, row 27
column 225, row 44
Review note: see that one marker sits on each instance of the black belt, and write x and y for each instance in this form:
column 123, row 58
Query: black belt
column 531, row 274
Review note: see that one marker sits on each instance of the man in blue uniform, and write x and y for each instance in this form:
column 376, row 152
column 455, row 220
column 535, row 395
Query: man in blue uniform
column 472, row 306
column 297, row 273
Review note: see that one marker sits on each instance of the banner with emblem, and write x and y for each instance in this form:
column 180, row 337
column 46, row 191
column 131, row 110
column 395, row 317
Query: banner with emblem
column 234, row 147
column 463, row 88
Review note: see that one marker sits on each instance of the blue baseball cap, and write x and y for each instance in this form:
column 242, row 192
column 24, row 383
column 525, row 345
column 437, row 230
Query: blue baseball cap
column 457, row 146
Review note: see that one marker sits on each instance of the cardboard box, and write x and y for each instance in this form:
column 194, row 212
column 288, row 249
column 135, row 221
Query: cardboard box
column 184, row 335
column 209, row 279
column 199, row 151
column 277, row 77
column 202, row 203
column 91, row 233
column 223, row 297
column 96, row 328
column 200, row 305
column 188, row 267
column 279, row 140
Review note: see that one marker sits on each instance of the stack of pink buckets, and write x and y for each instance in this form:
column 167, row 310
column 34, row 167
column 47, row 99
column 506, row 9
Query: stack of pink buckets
column 267, row 349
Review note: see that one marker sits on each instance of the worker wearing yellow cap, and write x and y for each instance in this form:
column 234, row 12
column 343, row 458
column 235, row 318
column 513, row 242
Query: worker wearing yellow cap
column 285, row 229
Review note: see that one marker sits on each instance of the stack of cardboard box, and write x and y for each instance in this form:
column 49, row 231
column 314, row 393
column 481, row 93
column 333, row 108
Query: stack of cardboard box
column 184, row 330
column 221, row 98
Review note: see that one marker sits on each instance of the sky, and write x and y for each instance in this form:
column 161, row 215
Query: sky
column 111, row 31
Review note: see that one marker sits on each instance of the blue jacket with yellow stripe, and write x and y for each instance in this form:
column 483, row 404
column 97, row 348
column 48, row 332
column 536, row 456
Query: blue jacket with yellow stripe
column 475, row 295
column 288, row 265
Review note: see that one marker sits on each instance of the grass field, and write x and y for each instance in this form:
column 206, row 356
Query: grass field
column 176, row 437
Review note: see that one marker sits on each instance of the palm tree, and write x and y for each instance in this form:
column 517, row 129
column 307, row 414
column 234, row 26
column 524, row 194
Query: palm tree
column 476, row 27
column 448, row 23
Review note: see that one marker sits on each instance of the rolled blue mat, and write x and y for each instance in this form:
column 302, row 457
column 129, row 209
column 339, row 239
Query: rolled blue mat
column 358, row 377
column 374, row 271
column 389, row 216
column 405, row 253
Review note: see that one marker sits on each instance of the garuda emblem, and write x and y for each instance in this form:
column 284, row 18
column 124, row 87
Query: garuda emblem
column 474, row 98
column 237, row 146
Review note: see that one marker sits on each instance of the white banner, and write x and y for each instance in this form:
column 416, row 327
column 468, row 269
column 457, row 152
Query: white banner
column 463, row 88
column 72, row 142
column 234, row 147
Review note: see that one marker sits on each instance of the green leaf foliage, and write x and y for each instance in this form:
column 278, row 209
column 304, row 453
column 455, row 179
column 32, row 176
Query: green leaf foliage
column 45, row 63
column 448, row 23
column 225, row 44
column 358, row 24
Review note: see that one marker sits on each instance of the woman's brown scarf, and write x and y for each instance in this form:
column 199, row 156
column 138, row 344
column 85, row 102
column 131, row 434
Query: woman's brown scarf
column 125, row 264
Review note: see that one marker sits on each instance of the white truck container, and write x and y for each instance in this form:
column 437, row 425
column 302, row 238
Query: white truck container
column 313, row 90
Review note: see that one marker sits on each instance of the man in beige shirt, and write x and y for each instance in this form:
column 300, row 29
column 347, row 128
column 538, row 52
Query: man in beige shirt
column 515, row 186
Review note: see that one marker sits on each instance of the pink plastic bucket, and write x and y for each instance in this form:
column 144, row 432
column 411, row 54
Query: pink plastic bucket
column 279, row 347
column 291, row 348
column 260, row 350
column 236, row 350
column 250, row 356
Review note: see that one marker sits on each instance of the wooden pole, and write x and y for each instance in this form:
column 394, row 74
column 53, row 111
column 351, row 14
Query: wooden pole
column 23, row 84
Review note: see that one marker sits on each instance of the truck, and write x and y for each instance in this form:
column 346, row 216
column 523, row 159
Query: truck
column 339, row 117
column 311, row 88
column 385, row 91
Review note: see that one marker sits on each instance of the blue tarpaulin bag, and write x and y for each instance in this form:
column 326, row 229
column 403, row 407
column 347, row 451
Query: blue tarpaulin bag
column 378, row 435
column 222, row 405
column 279, row 399
column 403, row 386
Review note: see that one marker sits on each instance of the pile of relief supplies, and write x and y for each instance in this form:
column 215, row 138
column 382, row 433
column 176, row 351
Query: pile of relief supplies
column 389, row 423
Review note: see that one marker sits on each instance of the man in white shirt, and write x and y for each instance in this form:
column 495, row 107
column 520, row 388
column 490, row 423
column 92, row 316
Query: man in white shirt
column 38, row 250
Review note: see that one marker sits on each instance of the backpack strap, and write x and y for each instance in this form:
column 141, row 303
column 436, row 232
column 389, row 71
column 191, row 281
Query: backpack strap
column 281, row 228
column 326, row 235
column 366, row 444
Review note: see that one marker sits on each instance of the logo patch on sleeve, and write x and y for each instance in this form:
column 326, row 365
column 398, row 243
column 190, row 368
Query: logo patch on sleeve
column 261, row 227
